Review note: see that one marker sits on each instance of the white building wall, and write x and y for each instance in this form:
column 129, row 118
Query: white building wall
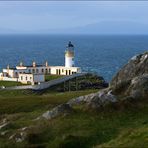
column 9, row 79
column 19, row 71
column 31, row 78
column 25, row 78
column 21, row 67
column 69, row 61
column 10, row 72
column 62, row 70
column 39, row 70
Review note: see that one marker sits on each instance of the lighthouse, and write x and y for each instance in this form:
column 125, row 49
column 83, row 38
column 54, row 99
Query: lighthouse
column 69, row 55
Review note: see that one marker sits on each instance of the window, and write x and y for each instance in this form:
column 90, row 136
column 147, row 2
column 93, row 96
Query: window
column 49, row 70
column 30, row 78
column 42, row 70
column 73, row 72
column 66, row 72
column 21, row 77
column 62, row 70
column 33, row 70
column 57, row 71
column 69, row 72
column 37, row 71
column 29, row 70
column 26, row 78
column 46, row 71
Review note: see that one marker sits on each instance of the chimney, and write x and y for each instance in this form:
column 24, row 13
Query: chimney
column 8, row 67
column 46, row 63
column 34, row 64
column 21, row 63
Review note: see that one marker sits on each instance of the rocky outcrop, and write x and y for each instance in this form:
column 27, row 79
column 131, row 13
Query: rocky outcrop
column 132, row 79
column 137, row 66
column 94, row 100
column 130, row 82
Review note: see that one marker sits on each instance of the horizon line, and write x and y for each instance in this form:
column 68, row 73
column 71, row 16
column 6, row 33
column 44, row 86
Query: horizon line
column 72, row 34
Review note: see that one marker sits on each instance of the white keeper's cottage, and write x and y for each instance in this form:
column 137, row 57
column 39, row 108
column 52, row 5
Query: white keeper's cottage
column 36, row 73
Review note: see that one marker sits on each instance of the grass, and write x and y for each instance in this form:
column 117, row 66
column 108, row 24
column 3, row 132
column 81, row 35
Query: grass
column 21, row 109
column 110, row 127
column 52, row 77
column 23, row 102
column 124, row 124
column 10, row 83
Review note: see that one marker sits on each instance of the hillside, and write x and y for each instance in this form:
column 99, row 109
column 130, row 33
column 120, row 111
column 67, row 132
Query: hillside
column 82, row 127
column 111, row 117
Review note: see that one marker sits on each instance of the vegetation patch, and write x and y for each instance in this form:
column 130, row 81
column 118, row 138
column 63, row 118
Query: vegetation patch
column 89, row 81
column 52, row 77
column 9, row 83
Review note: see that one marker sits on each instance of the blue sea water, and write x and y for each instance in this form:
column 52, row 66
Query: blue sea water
column 104, row 54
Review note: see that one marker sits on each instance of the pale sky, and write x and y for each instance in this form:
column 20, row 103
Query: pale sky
column 37, row 16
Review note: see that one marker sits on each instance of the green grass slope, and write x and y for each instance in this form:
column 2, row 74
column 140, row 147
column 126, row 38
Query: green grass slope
column 52, row 77
column 10, row 83
column 124, row 124
column 108, row 127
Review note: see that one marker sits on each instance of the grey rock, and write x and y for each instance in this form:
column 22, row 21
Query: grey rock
column 4, row 133
column 60, row 109
column 132, row 79
column 137, row 66
column 20, row 135
column 94, row 100
column 4, row 123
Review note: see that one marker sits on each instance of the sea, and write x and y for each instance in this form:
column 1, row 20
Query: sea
column 100, row 54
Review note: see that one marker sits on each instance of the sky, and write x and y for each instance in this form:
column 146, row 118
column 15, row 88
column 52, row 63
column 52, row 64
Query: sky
column 100, row 17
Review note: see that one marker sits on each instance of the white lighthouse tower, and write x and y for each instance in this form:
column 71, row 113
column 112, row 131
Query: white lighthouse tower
column 69, row 55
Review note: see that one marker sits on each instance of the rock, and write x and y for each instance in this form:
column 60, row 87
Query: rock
column 139, row 87
column 102, row 98
column 137, row 66
column 130, row 82
column 20, row 135
column 3, row 133
column 81, row 99
column 132, row 79
column 24, row 128
column 4, row 123
column 94, row 100
column 60, row 109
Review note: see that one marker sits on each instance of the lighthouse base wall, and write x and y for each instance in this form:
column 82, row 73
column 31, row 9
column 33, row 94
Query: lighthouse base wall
column 69, row 62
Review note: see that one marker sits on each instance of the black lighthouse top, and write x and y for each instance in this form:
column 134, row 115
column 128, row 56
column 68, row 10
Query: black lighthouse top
column 70, row 44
